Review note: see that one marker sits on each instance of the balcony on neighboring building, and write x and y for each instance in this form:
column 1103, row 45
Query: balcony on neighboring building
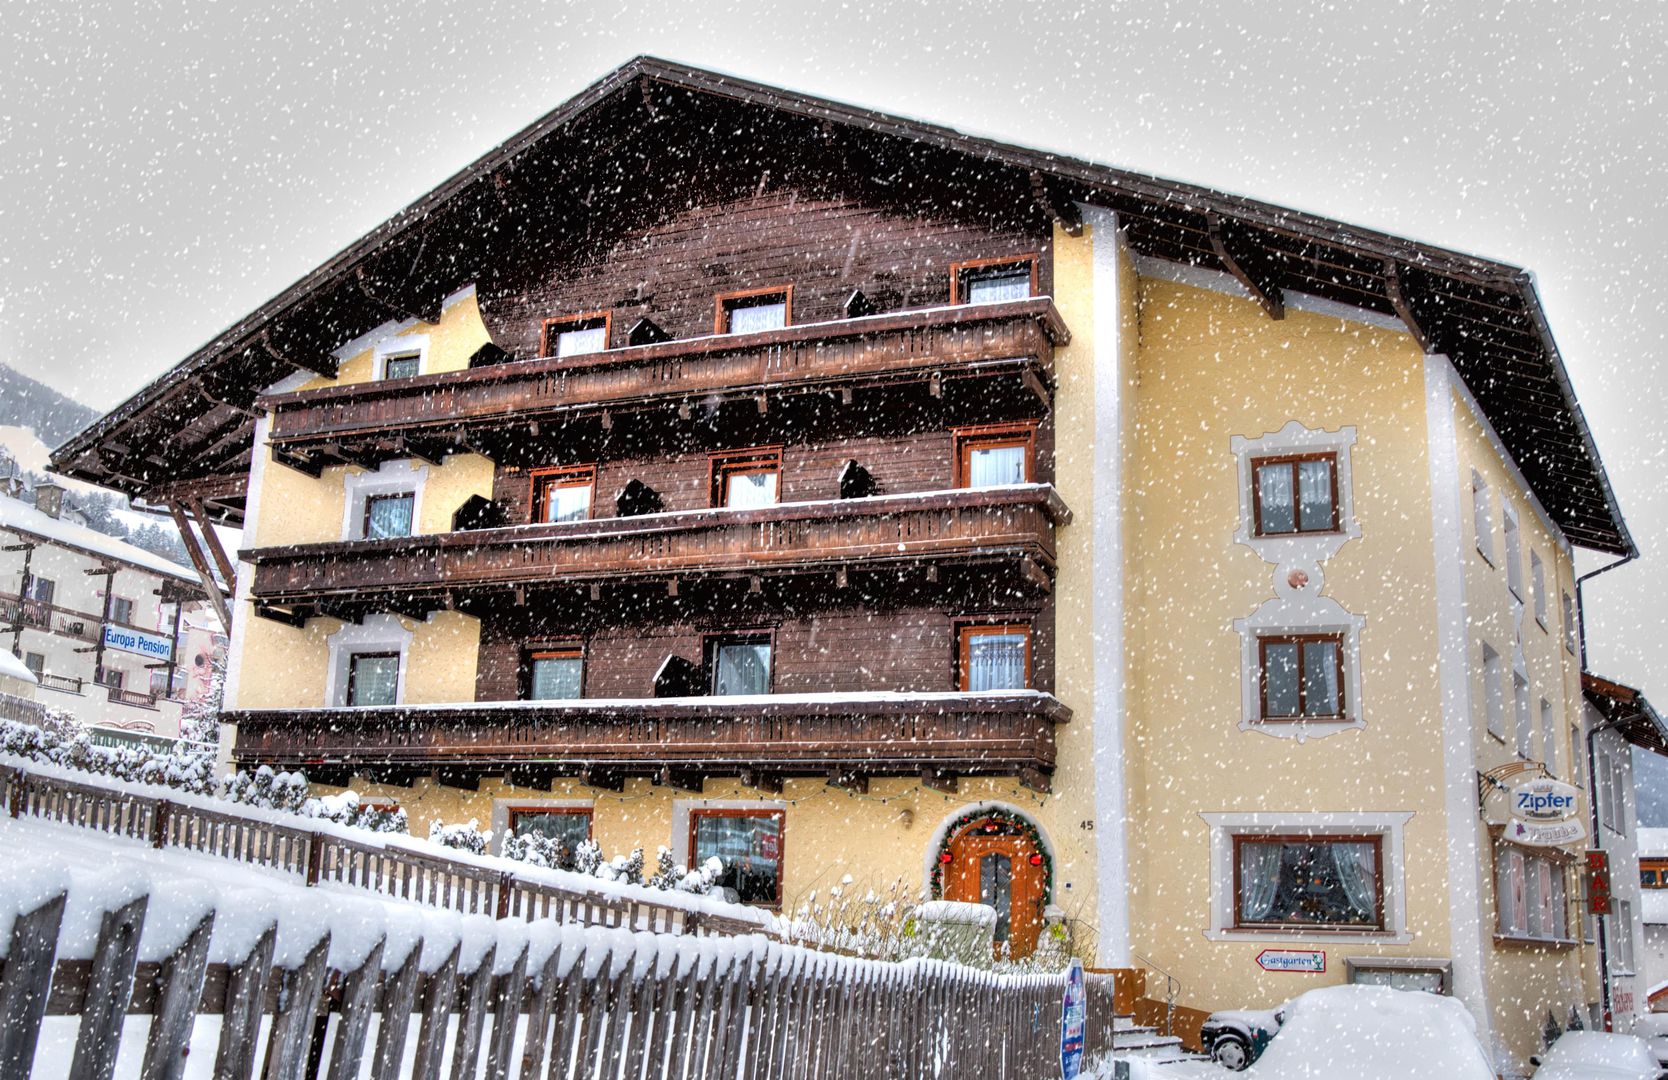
column 1002, row 348
column 676, row 741
column 1005, row 531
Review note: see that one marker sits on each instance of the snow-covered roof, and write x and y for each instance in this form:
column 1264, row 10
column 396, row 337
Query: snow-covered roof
column 12, row 667
column 25, row 518
column 1653, row 843
column 1653, row 905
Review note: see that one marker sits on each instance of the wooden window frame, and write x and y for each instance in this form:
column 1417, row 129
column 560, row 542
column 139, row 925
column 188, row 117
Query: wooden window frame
column 967, row 630
column 711, row 642
column 561, row 650
column 1560, row 865
column 1300, row 717
column 382, row 496
column 965, row 440
column 726, row 302
column 1334, row 526
column 396, row 357
column 584, row 320
column 781, row 816
column 1376, row 839
column 1654, row 865
column 541, row 480
column 513, row 811
column 723, row 464
column 960, row 271
column 353, row 671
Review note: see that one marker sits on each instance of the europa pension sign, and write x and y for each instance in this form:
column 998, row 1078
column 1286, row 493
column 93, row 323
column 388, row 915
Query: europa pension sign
column 1543, row 813
column 126, row 639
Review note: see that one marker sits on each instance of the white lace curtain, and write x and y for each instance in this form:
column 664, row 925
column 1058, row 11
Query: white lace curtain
column 1357, row 866
column 1259, row 879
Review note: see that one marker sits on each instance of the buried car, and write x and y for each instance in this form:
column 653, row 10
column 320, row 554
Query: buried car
column 1597, row 1055
column 1235, row 1038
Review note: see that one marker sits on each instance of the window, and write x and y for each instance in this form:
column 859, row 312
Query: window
column 1308, row 882
column 1520, row 707
column 388, row 516
column 991, row 281
column 1569, row 624
column 995, row 455
column 111, row 677
column 995, row 657
column 749, row 845
column 753, row 310
column 1537, row 584
column 35, row 662
column 402, row 365
column 1549, row 738
column 576, row 335
column 1621, row 935
column 1653, row 873
column 39, row 588
column 1297, row 494
column 1620, row 773
column 739, row 664
column 1514, row 551
column 555, row 674
column 1302, row 677
column 1578, row 758
column 1494, row 693
column 570, row 825
column 564, row 494
column 745, row 479
column 1482, row 518
column 1530, row 895
column 1648, row 878
column 373, row 678
column 1608, row 791
column 121, row 610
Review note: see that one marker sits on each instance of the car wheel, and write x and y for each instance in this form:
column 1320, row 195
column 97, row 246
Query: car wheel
column 1231, row 1052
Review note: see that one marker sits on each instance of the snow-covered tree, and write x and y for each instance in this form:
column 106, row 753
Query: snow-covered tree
column 464, row 837
column 200, row 719
column 285, row 791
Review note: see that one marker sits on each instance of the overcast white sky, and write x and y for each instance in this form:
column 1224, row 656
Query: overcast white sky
column 164, row 168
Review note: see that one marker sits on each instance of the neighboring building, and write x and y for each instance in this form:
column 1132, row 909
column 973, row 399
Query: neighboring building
column 1619, row 719
column 91, row 616
column 715, row 467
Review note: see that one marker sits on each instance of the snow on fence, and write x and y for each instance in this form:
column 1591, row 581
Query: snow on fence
column 320, row 854
column 228, row 994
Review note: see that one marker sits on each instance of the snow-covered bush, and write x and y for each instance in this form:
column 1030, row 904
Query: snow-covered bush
column 60, row 739
column 347, row 809
column 269, row 790
column 200, row 719
column 586, row 858
column 466, row 837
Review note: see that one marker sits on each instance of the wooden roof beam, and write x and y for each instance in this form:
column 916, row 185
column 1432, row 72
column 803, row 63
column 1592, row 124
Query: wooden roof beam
column 425, row 309
column 1063, row 213
column 1246, row 263
column 304, row 359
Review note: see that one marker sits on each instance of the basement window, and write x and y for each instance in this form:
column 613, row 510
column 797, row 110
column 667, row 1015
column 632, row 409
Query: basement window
column 576, row 335
column 991, row 281
column 753, row 311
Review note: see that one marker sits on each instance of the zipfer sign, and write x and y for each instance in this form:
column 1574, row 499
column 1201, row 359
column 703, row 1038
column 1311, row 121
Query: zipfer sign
column 1543, row 799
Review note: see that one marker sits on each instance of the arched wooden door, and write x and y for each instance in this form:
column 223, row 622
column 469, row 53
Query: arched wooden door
column 993, row 862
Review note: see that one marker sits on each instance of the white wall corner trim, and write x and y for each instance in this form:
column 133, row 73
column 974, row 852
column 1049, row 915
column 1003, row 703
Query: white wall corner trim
column 377, row 633
column 1386, row 824
column 1108, row 718
column 1449, row 506
column 243, row 608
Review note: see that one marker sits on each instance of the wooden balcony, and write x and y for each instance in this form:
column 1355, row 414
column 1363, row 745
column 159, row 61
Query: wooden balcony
column 1011, row 525
column 436, row 414
column 678, row 741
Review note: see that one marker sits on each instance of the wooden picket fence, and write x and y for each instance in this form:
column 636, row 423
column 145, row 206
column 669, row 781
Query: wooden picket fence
column 318, row 857
column 575, row 1002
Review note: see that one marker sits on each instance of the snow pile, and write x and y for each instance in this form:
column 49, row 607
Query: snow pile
column 13, row 668
column 1373, row 1033
column 954, row 911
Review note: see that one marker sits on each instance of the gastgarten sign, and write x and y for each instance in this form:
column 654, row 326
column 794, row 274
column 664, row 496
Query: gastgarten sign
column 1305, row 961
column 127, row 639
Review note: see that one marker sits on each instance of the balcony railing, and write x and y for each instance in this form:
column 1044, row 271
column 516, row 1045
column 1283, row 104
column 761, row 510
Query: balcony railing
column 43, row 615
column 1007, row 733
column 934, row 343
column 135, row 698
column 63, row 683
column 1013, row 524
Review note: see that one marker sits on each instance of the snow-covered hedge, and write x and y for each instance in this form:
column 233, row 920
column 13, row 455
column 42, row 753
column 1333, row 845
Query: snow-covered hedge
column 63, row 740
column 586, row 858
column 465, row 837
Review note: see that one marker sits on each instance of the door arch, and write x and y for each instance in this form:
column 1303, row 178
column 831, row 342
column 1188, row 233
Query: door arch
column 996, row 857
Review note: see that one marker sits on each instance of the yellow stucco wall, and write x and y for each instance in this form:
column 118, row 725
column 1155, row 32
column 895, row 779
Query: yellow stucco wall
column 1212, row 366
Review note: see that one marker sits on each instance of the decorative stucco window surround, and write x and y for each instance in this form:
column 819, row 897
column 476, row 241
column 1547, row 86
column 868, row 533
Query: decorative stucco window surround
column 1387, row 825
column 391, row 478
column 400, row 345
column 1297, row 606
column 501, row 814
column 377, row 633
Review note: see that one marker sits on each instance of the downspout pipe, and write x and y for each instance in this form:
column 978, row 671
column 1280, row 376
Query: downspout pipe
column 1593, row 732
column 1581, row 604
